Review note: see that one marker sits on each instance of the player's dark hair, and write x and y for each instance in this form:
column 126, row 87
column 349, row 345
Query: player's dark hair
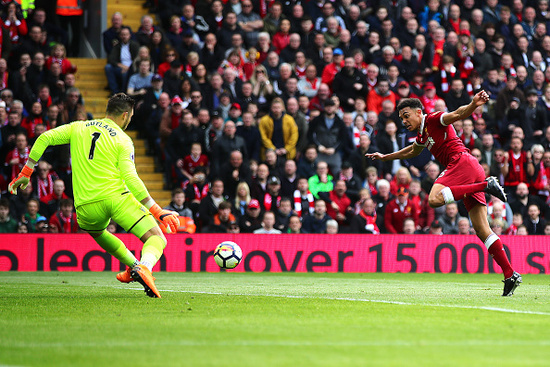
column 119, row 103
column 412, row 103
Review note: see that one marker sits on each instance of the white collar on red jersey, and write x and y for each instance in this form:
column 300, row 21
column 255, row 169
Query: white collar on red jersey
column 422, row 123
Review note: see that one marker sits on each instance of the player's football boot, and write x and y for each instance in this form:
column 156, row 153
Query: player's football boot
column 510, row 284
column 125, row 276
column 494, row 188
column 143, row 276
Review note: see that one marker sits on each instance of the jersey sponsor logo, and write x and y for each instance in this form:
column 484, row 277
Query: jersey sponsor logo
column 102, row 125
column 430, row 142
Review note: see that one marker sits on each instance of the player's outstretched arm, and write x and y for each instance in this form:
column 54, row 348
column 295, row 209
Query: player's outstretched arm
column 166, row 217
column 465, row 111
column 408, row 152
column 57, row 136
column 23, row 178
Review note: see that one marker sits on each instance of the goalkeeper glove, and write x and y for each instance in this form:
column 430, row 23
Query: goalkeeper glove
column 22, row 180
column 166, row 217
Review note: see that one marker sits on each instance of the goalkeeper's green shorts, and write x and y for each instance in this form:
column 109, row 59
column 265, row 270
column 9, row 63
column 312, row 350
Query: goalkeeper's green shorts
column 125, row 210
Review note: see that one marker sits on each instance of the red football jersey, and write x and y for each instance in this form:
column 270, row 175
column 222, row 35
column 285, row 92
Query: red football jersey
column 441, row 140
column 190, row 163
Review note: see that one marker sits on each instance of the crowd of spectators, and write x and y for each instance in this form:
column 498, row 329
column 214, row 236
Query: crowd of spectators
column 37, row 93
column 259, row 113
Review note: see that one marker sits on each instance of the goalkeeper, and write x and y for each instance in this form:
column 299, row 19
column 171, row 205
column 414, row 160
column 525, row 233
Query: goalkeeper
column 106, row 185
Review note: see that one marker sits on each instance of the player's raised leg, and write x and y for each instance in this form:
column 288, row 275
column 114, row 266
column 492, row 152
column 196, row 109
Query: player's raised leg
column 436, row 198
column 441, row 194
column 478, row 216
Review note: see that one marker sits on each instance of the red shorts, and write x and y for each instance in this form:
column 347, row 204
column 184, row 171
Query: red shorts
column 464, row 170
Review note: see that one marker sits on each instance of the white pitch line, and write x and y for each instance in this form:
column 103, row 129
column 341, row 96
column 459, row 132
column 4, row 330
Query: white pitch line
column 275, row 343
column 484, row 308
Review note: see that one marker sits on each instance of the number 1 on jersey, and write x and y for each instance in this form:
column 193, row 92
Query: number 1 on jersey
column 95, row 136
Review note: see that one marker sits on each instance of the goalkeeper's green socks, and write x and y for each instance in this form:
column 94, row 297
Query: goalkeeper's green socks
column 152, row 251
column 116, row 247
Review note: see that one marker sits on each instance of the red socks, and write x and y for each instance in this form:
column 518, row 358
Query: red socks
column 495, row 248
column 460, row 192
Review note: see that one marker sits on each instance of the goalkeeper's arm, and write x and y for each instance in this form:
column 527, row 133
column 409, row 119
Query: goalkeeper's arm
column 166, row 217
column 138, row 189
column 136, row 186
column 23, row 178
column 57, row 136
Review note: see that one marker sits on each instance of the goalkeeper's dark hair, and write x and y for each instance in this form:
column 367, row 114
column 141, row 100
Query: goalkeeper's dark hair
column 413, row 103
column 120, row 103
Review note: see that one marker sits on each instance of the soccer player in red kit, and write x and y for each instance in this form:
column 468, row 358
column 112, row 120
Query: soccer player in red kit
column 463, row 178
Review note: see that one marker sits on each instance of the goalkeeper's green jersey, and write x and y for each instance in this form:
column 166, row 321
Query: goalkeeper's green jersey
column 102, row 157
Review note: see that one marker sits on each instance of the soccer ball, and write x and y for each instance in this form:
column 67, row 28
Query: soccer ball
column 228, row 255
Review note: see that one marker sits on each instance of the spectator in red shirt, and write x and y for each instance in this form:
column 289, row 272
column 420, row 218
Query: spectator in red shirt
column 59, row 56
column 34, row 118
column 398, row 210
column 429, row 98
column 401, row 179
column 330, row 71
column 51, row 203
column 17, row 157
column 379, row 94
column 317, row 103
column 338, row 203
column 281, row 39
column 540, row 184
column 14, row 23
column 64, row 220
column 517, row 166
column 189, row 163
column 365, row 221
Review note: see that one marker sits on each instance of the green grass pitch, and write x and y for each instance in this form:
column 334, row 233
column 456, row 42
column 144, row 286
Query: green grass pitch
column 256, row 319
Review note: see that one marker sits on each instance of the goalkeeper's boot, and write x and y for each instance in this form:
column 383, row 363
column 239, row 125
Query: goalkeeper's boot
column 125, row 276
column 143, row 276
column 510, row 284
